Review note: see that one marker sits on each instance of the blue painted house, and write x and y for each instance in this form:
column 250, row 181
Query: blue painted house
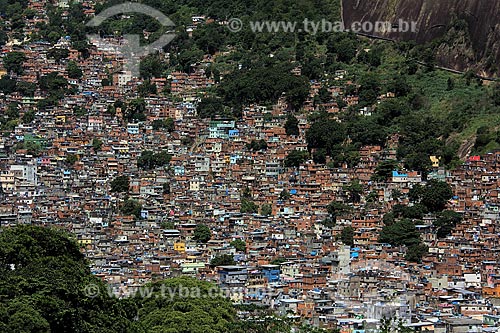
column 271, row 273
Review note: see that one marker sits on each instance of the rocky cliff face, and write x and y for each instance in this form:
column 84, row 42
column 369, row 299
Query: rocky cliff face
column 469, row 30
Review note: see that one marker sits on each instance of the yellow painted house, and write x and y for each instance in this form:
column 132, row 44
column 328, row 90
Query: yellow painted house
column 85, row 241
column 435, row 161
column 180, row 247
column 60, row 119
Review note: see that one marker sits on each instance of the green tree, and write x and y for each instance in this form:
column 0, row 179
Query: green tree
column 325, row 133
column 71, row 159
column 136, row 109
column 297, row 90
column 295, row 158
column 58, row 54
column 496, row 94
column 192, row 306
column 336, row 209
column 396, row 194
column 292, row 125
column 416, row 193
column 74, row 72
column 355, row 189
column 278, row 261
column 80, row 112
column 446, row 221
column 12, row 111
column 33, row 148
column 263, row 322
column 149, row 160
column 347, row 236
column 53, row 82
column 43, row 284
column 418, row 161
column 393, row 325
column 248, row 206
column 264, row 83
column 416, row 211
column 111, row 109
column 247, row 193
column 372, row 57
column 167, row 225
column 266, row 210
column 369, row 89
column 222, row 260
column 13, row 62
column 210, row 38
column 284, row 195
column 255, row 145
column 147, row 89
column 162, row 159
column 344, row 46
column 319, row 156
column 188, row 57
column 55, row 85
column 23, row 317
column 96, row 144
column 167, row 124
column 28, row 117
column 372, row 196
column 202, row 233
column 239, row 245
column 210, row 107
column 434, row 195
column 3, row 38
column 415, row 253
column 328, row 222
column 7, row 85
column 400, row 233
column 469, row 76
column 399, row 86
column 26, row 88
column 131, row 207
column 152, row 66
column 120, row 184
column 384, row 170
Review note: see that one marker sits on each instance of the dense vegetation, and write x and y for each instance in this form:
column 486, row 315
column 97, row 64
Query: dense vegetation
column 44, row 282
column 400, row 224
column 42, row 273
column 434, row 113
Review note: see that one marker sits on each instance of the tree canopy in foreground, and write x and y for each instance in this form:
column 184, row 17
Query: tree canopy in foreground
column 43, row 288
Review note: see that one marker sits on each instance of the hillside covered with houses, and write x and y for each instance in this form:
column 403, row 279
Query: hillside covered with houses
column 337, row 186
